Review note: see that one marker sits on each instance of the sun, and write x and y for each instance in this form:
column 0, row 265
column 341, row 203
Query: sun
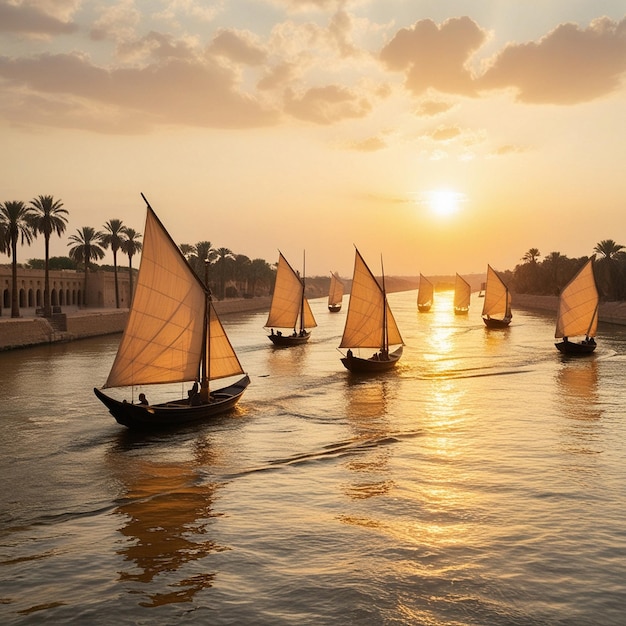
column 444, row 203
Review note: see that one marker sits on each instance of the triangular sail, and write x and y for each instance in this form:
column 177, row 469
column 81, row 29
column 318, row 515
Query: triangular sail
column 335, row 292
column 497, row 302
column 163, row 339
column 366, row 312
column 288, row 299
column 425, row 292
column 223, row 361
column 578, row 305
column 462, row 293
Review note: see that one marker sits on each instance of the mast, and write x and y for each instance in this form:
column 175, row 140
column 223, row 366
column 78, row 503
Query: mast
column 385, row 345
column 302, row 297
column 205, row 361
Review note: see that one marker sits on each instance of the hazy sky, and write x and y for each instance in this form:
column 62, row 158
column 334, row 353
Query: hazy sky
column 442, row 134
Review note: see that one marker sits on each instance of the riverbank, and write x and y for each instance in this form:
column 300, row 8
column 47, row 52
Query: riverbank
column 610, row 312
column 74, row 323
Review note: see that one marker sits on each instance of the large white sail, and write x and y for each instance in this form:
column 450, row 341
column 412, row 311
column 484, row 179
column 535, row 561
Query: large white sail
column 163, row 339
column 288, row 299
column 578, row 305
column 462, row 293
column 425, row 292
column 497, row 302
column 335, row 292
column 366, row 312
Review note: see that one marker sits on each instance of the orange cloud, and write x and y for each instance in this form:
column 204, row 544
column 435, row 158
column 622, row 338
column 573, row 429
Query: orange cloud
column 326, row 105
column 568, row 66
column 435, row 56
column 30, row 20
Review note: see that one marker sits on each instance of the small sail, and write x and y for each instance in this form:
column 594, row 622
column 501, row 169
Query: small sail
column 365, row 318
column 223, row 361
column 497, row 302
column 162, row 342
column 462, row 293
column 335, row 292
column 425, row 292
column 578, row 305
column 288, row 299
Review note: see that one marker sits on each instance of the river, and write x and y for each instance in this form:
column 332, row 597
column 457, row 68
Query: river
column 481, row 483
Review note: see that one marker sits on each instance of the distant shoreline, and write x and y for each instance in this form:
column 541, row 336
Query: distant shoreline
column 32, row 330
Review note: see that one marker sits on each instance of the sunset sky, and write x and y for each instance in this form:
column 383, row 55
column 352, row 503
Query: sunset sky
column 442, row 134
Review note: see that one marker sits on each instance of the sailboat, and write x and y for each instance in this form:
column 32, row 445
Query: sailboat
column 424, row 295
column 369, row 323
column 335, row 293
column 289, row 307
column 578, row 313
column 172, row 335
column 462, row 296
column 497, row 305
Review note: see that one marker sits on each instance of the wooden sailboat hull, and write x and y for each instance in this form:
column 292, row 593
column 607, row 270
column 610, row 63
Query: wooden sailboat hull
column 424, row 308
column 461, row 311
column 573, row 348
column 171, row 414
column 371, row 366
column 285, row 341
column 334, row 308
column 491, row 322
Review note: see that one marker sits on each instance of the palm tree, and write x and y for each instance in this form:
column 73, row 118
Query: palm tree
column 47, row 216
column 15, row 219
column 611, row 253
column 223, row 256
column 531, row 256
column 111, row 238
column 86, row 248
column 131, row 246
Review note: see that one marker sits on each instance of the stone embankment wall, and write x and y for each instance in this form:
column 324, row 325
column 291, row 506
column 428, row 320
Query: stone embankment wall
column 30, row 331
column 610, row 312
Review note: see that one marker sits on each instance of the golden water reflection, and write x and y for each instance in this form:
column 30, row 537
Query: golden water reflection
column 165, row 513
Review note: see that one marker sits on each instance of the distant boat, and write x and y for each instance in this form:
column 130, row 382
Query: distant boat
column 424, row 295
column 497, row 304
column 172, row 335
column 290, row 308
column 462, row 296
column 369, row 323
column 483, row 288
column 335, row 293
column 578, row 313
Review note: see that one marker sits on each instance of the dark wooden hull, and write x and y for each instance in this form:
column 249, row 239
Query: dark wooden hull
column 423, row 308
column 574, row 348
column 334, row 308
column 461, row 311
column 491, row 322
column 371, row 366
column 171, row 414
column 285, row 341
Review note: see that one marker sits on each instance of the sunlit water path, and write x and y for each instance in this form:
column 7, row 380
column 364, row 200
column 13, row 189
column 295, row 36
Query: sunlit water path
column 483, row 482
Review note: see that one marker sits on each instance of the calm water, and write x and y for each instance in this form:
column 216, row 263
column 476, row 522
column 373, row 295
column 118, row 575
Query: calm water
column 483, row 482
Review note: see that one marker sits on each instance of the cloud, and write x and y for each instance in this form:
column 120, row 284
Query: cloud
column 116, row 22
column 371, row 144
column 172, row 91
column 568, row 66
column 430, row 108
column 31, row 20
column 327, row 105
column 445, row 133
column 238, row 46
column 435, row 57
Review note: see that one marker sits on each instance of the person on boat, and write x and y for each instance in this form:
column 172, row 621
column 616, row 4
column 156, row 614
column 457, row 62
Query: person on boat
column 565, row 339
column 271, row 331
column 194, row 396
column 349, row 353
column 143, row 400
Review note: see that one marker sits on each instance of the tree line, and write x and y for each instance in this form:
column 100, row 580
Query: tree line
column 21, row 223
column 549, row 275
